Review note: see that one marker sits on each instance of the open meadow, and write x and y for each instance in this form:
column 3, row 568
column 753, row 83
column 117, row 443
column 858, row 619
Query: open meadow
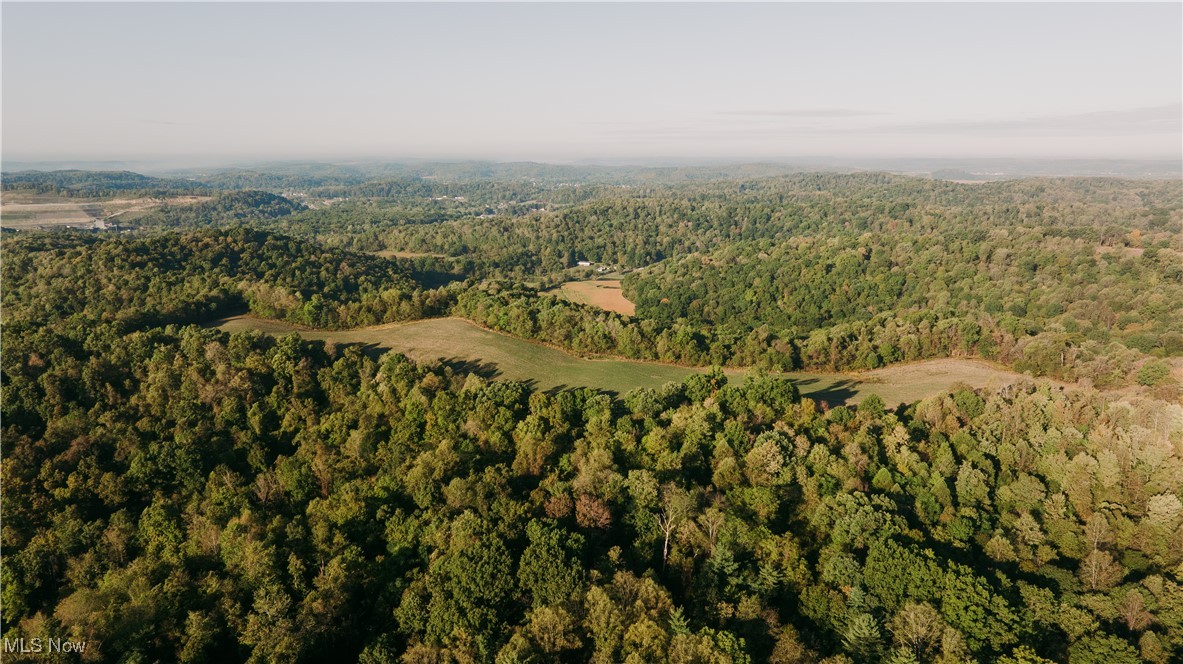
column 390, row 253
column 463, row 344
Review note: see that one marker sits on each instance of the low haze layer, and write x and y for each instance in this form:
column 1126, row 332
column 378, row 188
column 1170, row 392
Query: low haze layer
column 614, row 81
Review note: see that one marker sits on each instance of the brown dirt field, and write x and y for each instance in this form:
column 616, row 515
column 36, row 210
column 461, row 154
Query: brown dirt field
column 602, row 293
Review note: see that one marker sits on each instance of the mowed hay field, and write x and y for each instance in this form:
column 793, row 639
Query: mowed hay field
column 464, row 344
column 602, row 293
column 30, row 211
column 32, row 215
column 461, row 342
column 905, row 383
column 390, row 253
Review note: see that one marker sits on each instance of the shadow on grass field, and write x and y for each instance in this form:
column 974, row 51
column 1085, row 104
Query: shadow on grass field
column 468, row 348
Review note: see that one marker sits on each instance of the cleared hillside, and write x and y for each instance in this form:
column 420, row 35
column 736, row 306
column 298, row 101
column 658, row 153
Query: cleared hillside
column 460, row 342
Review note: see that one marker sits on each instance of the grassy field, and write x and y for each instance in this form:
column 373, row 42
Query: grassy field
column 904, row 383
column 468, row 347
column 32, row 215
column 389, row 253
column 30, row 211
column 602, row 293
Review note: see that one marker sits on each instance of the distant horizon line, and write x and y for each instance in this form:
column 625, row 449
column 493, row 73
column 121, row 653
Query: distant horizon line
column 652, row 161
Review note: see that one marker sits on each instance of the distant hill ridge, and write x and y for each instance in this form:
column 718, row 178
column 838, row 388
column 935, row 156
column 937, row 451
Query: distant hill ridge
column 93, row 183
column 225, row 207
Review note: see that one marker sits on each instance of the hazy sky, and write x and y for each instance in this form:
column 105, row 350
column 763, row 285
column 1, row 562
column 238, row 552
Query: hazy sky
column 568, row 81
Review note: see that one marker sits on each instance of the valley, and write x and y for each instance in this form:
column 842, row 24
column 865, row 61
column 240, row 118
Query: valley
column 463, row 344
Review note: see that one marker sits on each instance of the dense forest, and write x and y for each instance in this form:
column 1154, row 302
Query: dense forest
column 179, row 493
column 156, row 279
column 172, row 492
column 862, row 271
column 225, row 208
column 96, row 183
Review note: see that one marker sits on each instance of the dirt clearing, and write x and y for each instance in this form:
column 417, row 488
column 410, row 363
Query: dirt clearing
column 603, row 293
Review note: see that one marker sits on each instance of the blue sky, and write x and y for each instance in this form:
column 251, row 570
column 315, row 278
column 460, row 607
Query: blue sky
column 559, row 82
